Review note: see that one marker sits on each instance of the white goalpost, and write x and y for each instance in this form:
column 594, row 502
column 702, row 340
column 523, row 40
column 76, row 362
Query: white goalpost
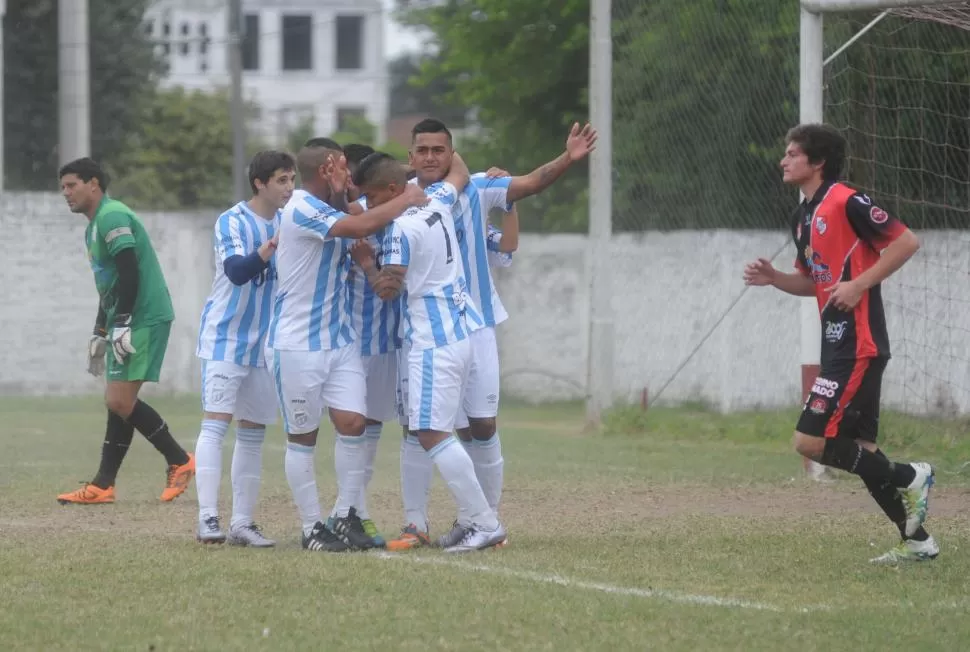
column 812, row 94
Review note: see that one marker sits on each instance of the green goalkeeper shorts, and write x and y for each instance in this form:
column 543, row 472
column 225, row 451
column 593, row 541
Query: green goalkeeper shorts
column 145, row 364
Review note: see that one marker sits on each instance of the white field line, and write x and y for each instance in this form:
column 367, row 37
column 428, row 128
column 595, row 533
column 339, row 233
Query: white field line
column 648, row 594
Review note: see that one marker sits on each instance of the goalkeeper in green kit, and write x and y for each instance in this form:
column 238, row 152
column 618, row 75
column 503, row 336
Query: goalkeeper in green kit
column 130, row 335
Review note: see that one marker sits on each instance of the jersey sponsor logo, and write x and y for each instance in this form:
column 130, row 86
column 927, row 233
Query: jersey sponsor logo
column 820, row 270
column 825, row 387
column 834, row 331
column 878, row 215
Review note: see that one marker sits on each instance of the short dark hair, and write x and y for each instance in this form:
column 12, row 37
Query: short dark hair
column 265, row 164
column 379, row 168
column 821, row 142
column 85, row 168
column 327, row 143
column 355, row 153
column 430, row 126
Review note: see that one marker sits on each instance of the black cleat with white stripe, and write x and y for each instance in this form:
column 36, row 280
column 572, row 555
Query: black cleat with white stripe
column 323, row 540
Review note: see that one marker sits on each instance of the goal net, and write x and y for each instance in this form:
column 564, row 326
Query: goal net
column 901, row 95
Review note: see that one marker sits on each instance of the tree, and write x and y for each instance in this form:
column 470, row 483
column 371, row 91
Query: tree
column 124, row 72
column 708, row 90
column 359, row 130
column 411, row 93
column 524, row 67
column 180, row 157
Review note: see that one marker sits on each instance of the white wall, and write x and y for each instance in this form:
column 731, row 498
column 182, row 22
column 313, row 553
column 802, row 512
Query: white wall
column 669, row 291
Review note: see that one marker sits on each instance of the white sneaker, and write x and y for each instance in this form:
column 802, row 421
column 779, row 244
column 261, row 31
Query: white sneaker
column 249, row 535
column 909, row 550
column 209, row 531
column 916, row 497
column 478, row 539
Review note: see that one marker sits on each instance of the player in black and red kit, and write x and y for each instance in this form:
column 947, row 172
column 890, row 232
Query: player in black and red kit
column 846, row 247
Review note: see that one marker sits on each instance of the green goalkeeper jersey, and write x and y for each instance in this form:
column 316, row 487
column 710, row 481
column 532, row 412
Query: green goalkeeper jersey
column 115, row 227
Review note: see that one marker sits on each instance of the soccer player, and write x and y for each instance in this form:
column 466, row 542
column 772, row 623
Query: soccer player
column 430, row 155
column 847, row 246
column 313, row 356
column 420, row 256
column 134, row 319
column 376, row 324
column 235, row 380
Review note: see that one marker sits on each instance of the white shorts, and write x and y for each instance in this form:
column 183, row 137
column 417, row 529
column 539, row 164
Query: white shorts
column 482, row 388
column 245, row 392
column 380, row 372
column 308, row 381
column 436, row 381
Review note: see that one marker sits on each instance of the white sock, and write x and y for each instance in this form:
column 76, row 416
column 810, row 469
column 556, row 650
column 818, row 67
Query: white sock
column 208, row 466
column 459, row 474
column 372, row 440
column 463, row 515
column 247, row 462
column 349, row 457
column 489, row 467
column 301, row 476
column 417, row 469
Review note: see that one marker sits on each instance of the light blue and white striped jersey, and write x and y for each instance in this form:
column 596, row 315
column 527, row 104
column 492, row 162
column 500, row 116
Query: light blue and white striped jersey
column 496, row 257
column 236, row 318
column 438, row 310
column 311, row 309
column 476, row 200
column 377, row 323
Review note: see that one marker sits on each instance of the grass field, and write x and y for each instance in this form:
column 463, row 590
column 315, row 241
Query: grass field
column 680, row 529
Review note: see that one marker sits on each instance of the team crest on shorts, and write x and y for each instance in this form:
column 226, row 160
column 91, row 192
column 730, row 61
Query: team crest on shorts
column 818, row 406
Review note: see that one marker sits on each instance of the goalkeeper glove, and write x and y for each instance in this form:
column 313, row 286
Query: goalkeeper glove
column 121, row 338
column 96, row 348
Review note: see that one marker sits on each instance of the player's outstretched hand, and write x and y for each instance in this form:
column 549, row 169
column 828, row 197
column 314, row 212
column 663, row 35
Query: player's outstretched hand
column 414, row 196
column 268, row 248
column 121, row 338
column 97, row 346
column 362, row 253
column 580, row 142
column 494, row 173
column 760, row 272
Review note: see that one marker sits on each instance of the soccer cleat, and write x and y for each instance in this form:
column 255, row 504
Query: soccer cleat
column 89, row 494
column 452, row 537
column 370, row 529
column 411, row 537
column 249, row 535
column 322, row 539
column 210, row 531
column 177, row 479
column 478, row 539
column 350, row 530
column 909, row 550
column 916, row 497
column 456, row 534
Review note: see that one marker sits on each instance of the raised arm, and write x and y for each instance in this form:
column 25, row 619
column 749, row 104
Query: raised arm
column 579, row 144
column 373, row 220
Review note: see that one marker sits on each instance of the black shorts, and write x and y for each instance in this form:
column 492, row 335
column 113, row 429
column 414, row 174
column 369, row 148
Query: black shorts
column 844, row 401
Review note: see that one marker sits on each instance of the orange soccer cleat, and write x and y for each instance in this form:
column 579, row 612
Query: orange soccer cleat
column 178, row 479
